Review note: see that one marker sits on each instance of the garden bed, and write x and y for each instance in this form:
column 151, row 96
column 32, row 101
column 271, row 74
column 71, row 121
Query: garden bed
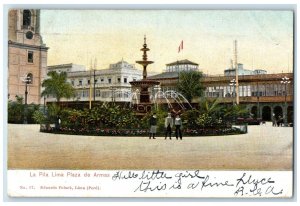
column 142, row 132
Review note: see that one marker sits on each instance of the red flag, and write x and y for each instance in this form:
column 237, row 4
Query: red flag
column 180, row 46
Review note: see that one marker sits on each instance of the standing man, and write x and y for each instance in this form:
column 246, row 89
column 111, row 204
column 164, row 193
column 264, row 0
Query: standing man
column 168, row 125
column 178, row 124
column 57, row 123
column 153, row 123
column 274, row 122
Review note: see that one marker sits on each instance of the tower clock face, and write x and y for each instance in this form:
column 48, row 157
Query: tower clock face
column 29, row 35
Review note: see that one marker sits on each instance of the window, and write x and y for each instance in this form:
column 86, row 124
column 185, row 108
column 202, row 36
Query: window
column 80, row 83
column 102, row 80
column 85, row 93
column 26, row 18
column 89, row 82
column 30, row 57
column 125, row 80
column 134, row 79
column 109, row 80
column 119, row 80
column 98, row 94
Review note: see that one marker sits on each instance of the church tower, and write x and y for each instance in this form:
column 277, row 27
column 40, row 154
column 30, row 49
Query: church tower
column 27, row 55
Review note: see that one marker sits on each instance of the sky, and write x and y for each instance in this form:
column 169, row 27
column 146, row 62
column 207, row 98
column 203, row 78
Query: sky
column 265, row 38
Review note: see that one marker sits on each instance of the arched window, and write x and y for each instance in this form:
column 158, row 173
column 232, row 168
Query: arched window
column 29, row 78
column 26, row 18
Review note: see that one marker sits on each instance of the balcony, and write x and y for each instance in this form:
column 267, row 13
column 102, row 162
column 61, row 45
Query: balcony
column 103, row 85
column 27, row 27
column 253, row 99
column 216, row 80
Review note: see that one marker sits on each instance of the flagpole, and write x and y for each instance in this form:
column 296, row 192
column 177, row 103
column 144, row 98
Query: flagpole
column 180, row 48
column 90, row 96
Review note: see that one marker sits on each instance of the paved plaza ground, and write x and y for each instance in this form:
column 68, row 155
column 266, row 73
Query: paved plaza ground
column 263, row 148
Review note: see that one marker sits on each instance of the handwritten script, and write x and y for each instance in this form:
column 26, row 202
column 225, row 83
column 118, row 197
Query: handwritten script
column 244, row 185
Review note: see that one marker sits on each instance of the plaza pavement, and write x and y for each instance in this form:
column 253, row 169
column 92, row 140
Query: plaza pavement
column 263, row 148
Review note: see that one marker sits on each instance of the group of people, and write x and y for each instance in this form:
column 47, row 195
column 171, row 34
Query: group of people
column 277, row 121
column 170, row 122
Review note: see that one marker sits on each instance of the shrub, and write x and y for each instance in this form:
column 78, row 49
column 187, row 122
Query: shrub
column 100, row 116
column 39, row 117
column 189, row 118
column 16, row 111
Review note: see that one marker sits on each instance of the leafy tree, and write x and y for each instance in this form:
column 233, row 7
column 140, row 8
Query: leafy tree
column 189, row 84
column 57, row 86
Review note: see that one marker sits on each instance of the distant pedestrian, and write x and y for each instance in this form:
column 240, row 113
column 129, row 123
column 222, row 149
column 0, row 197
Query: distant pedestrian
column 280, row 121
column 274, row 121
column 57, row 123
column 153, row 125
column 178, row 124
column 168, row 125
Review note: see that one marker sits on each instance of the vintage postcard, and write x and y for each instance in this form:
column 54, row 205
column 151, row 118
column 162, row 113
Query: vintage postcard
column 150, row 103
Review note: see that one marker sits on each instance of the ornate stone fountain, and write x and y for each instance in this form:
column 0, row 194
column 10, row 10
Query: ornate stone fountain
column 144, row 104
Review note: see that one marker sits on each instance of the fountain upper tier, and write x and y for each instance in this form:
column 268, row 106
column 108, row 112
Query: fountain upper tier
column 145, row 49
column 144, row 62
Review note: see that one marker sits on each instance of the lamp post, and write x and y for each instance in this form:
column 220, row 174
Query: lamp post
column 94, row 70
column 44, row 104
column 94, row 85
column 27, row 81
column 90, row 90
column 112, row 94
column 285, row 80
column 233, row 84
column 257, row 96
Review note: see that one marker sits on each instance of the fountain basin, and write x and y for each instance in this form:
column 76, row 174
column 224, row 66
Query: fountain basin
column 145, row 83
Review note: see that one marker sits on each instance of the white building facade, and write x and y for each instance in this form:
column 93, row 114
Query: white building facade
column 110, row 84
column 243, row 71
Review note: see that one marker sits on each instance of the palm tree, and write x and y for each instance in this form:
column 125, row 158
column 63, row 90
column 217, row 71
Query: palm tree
column 214, row 108
column 210, row 107
column 57, row 86
column 236, row 111
column 189, row 84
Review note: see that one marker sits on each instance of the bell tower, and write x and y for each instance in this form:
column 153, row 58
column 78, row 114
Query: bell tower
column 24, row 26
column 27, row 55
